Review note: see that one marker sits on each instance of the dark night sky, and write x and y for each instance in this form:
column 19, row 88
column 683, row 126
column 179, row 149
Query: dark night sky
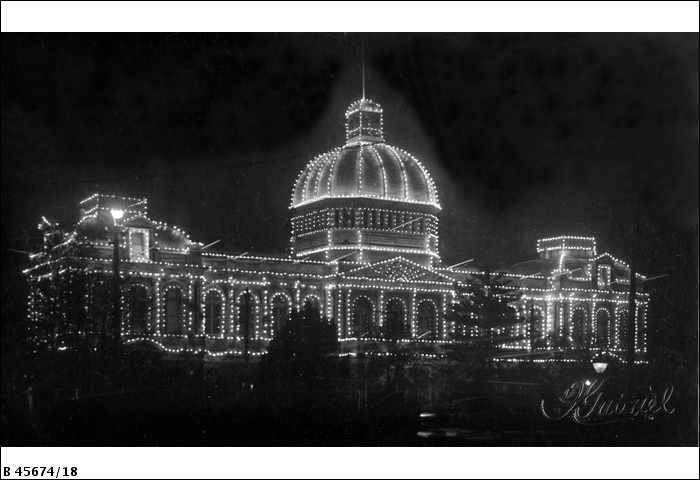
column 527, row 135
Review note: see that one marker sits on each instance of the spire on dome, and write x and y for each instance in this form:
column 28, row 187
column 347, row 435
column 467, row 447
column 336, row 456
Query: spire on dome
column 363, row 118
column 362, row 62
column 364, row 122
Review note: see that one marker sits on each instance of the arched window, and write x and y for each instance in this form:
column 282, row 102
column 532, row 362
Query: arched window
column 101, row 309
column 602, row 319
column 280, row 314
column 621, row 330
column 245, row 324
column 536, row 327
column 578, row 328
column 173, row 311
column 213, row 313
column 426, row 321
column 639, row 329
column 362, row 325
column 138, row 310
column 395, row 321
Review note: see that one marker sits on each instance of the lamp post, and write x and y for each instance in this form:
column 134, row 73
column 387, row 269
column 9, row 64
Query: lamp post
column 117, row 214
column 600, row 366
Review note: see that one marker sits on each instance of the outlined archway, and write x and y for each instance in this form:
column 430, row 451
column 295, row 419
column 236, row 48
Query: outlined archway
column 173, row 310
column 139, row 311
column 602, row 324
column 427, row 320
column 621, row 328
column 536, row 324
column 101, row 307
column 395, row 321
column 213, row 313
column 280, row 308
column 578, row 327
column 362, row 317
column 247, row 309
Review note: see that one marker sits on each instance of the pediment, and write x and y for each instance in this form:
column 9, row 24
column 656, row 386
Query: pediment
column 397, row 269
column 607, row 258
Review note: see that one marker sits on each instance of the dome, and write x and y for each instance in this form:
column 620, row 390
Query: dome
column 365, row 167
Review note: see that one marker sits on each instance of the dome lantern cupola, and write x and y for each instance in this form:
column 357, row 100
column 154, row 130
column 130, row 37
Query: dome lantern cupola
column 364, row 122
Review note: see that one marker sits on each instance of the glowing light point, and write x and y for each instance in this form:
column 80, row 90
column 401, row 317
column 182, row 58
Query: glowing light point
column 117, row 213
column 600, row 367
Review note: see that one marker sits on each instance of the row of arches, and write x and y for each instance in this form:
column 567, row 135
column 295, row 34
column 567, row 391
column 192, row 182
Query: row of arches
column 606, row 330
column 581, row 330
column 364, row 323
column 176, row 319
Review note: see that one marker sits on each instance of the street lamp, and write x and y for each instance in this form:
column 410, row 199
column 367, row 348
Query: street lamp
column 600, row 362
column 117, row 214
column 600, row 366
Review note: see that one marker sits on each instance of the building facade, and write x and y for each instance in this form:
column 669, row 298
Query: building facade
column 364, row 251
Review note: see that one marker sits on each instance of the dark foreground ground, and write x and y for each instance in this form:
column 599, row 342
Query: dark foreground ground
column 152, row 400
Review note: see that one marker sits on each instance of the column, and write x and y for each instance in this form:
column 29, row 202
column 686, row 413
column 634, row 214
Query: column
column 157, row 303
column 227, row 310
column 412, row 314
column 380, row 308
column 339, row 313
column 441, row 318
column 349, row 329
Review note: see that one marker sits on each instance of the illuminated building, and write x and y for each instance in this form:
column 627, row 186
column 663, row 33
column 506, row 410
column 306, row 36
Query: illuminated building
column 364, row 251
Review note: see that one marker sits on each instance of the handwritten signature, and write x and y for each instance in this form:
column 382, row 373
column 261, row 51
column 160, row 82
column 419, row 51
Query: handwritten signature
column 585, row 402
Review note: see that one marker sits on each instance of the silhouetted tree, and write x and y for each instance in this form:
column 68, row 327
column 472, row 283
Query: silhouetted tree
column 303, row 348
column 486, row 302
